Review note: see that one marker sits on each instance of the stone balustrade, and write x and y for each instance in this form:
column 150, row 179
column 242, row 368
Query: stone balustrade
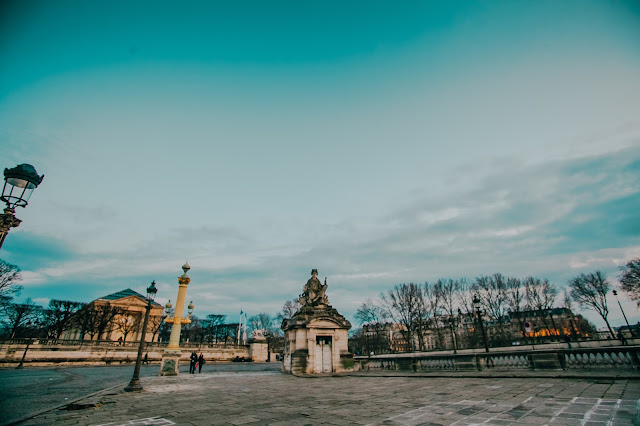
column 623, row 358
column 43, row 352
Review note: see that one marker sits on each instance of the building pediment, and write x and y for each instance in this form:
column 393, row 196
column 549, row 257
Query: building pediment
column 323, row 323
column 132, row 301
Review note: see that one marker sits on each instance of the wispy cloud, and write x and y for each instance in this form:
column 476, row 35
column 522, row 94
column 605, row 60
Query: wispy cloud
column 554, row 220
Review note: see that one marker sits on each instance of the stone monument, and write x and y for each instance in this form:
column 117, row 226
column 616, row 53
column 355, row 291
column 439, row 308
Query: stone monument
column 316, row 337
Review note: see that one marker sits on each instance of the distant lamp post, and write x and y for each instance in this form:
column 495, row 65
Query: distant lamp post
column 19, row 183
column 24, row 354
column 615, row 293
column 171, row 356
column 134, row 385
column 453, row 334
column 476, row 305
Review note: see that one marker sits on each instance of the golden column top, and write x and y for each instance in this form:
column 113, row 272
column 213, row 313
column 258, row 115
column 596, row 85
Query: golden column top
column 184, row 279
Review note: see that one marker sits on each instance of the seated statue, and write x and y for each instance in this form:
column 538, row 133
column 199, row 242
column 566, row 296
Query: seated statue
column 314, row 291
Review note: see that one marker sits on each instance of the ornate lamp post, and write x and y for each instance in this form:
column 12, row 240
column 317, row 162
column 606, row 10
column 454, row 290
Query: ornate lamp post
column 19, row 183
column 171, row 356
column 134, row 385
column 476, row 304
column 615, row 293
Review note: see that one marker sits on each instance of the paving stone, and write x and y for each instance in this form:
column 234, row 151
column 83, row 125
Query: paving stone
column 283, row 399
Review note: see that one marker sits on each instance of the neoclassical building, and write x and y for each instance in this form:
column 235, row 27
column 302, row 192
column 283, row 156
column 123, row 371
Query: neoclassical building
column 118, row 317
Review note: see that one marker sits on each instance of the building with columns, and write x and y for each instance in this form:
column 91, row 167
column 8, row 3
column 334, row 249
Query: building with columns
column 117, row 317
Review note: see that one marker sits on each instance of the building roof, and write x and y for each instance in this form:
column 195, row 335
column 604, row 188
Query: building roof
column 126, row 293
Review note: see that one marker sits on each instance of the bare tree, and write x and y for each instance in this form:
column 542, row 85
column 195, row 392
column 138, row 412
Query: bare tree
column 59, row 316
column 492, row 291
column 590, row 291
column 16, row 316
column 9, row 278
column 465, row 296
column 290, row 308
column 261, row 321
column 405, row 305
column 104, row 320
column 155, row 323
column 373, row 319
column 515, row 299
column 94, row 320
column 126, row 324
column 370, row 313
column 541, row 295
column 448, row 293
column 432, row 294
column 84, row 319
column 568, row 304
column 213, row 323
column 265, row 322
column 630, row 279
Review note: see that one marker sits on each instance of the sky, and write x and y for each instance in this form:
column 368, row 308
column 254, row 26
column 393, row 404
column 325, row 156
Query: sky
column 379, row 142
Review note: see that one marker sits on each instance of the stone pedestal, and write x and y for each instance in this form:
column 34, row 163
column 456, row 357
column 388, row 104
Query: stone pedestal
column 259, row 351
column 258, row 347
column 170, row 363
column 316, row 341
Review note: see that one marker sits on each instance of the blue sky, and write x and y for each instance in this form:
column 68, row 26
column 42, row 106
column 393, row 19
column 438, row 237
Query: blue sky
column 377, row 142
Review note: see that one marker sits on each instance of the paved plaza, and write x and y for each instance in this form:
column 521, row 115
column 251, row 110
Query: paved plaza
column 268, row 397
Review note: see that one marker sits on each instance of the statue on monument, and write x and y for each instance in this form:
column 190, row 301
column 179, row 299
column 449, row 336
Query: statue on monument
column 314, row 291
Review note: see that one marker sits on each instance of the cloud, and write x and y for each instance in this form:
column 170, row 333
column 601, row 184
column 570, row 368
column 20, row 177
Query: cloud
column 551, row 219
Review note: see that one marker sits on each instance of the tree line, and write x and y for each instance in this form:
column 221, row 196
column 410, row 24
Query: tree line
column 410, row 305
column 443, row 306
column 97, row 321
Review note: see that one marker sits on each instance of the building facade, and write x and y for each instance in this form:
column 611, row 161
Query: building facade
column 117, row 317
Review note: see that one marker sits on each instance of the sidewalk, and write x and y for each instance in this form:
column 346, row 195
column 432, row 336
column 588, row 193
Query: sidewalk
column 510, row 374
column 275, row 398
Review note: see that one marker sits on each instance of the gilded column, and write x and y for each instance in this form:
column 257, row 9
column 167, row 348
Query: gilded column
column 171, row 356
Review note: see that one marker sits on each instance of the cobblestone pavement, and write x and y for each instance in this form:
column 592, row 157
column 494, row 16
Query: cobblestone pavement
column 279, row 399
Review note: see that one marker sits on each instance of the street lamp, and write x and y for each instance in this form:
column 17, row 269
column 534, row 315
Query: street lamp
column 24, row 354
column 134, row 385
column 476, row 304
column 19, row 183
column 615, row 293
column 453, row 334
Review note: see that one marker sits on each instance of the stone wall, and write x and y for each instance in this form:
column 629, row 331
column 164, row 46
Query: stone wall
column 64, row 354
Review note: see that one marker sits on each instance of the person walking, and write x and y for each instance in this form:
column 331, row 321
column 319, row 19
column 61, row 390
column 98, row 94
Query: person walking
column 200, row 362
column 192, row 364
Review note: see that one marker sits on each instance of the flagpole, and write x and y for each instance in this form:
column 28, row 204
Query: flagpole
column 239, row 325
column 244, row 329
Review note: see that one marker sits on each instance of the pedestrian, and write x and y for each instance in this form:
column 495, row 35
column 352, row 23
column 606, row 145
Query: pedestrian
column 120, row 341
column 146, row 358
column 623, row 339
column 200, row 362
column 192, row 362
column 567, row 339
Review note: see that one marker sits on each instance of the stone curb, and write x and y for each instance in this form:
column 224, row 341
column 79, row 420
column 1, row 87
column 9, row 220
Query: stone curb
column 55, row 407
